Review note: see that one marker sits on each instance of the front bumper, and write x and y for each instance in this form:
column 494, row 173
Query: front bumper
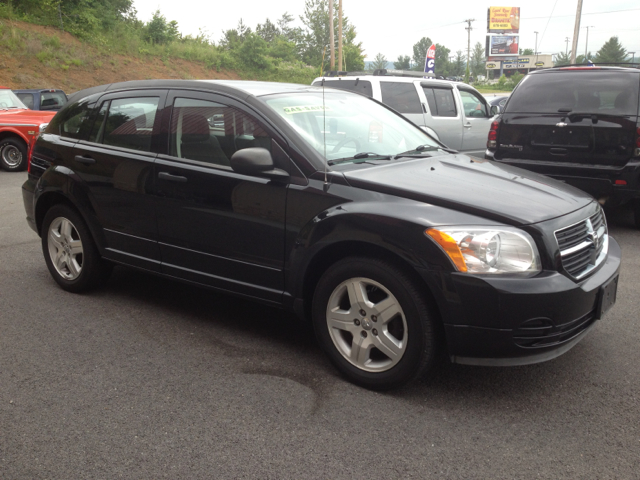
column 518, row 321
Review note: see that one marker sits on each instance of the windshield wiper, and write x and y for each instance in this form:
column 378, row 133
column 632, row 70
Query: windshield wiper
column 359, row 156
column 424, row 148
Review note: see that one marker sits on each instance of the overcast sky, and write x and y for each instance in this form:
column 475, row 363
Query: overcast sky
column 394, row 32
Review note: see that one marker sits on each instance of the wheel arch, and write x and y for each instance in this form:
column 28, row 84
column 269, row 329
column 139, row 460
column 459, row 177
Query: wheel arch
column 11, row 133
column 337, row 251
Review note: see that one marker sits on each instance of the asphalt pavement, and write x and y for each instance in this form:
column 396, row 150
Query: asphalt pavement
column 149, row 378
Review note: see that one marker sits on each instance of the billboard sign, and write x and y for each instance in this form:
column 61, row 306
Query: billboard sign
column 502, row 45
column 503, row 20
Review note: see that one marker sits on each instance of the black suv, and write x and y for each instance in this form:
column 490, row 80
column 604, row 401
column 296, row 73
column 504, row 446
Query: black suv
column 580, row 125
column 329, row 204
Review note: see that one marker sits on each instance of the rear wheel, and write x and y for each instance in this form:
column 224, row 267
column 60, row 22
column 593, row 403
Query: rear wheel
column 70, row 252
column 374, row 323
column 13, row 154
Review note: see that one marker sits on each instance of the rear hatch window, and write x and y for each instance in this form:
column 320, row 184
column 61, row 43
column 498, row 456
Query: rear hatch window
column 599, row 92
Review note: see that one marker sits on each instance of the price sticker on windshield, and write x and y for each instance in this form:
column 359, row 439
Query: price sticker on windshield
column 305, row 109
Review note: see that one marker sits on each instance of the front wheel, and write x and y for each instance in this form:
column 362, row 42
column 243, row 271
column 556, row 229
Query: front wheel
column 374, row 323
column 13, row 154
column 70, row 252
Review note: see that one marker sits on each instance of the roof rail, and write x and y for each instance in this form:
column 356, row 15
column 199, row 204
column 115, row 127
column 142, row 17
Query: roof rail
column 380, row 73
column 600, row 64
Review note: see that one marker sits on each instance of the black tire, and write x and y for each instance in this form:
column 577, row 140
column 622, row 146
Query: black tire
column 93, row 271
column 420, row 349
column 13, row 154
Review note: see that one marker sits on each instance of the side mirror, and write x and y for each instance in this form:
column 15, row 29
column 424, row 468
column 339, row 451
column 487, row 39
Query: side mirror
column 257, row 162
column 495, row 110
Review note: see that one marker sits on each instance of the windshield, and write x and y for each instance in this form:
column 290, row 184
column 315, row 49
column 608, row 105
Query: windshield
column 345, row 124
column 8, row 99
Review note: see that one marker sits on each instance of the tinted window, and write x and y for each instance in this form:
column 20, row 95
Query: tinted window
column 402, row 97
column 473, row 104
column 74, row 122
column 129, row 123
column 52, row 100
column 27, row 99
column 441, row 102
column 98, row 125
column 614, row 93
column 212, row 132
column 356, row 85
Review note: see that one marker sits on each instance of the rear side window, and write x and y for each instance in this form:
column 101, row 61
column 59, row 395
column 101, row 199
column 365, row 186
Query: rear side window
column 27, row 99
column 74, row 122
column 402, row 97
column 356, row 85
column 129, row 123
column 612, row 93
column 441, row 102
column 52, row 100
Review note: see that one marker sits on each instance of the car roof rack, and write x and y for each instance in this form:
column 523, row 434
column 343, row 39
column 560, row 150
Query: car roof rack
column 600, row 64
column 381, row 72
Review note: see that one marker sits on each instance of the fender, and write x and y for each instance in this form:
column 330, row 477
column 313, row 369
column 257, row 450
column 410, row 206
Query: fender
column 9, row 131
column 62, row 181
column 352, row 229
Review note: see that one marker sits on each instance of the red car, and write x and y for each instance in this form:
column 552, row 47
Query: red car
column 18, row 126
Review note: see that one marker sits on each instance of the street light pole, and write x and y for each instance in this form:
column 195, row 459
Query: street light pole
column 566, row 41
column 586, row 44
column 535, row 52
column 633, row 56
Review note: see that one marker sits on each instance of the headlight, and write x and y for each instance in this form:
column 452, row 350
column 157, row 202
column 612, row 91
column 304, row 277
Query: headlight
column 488, row 250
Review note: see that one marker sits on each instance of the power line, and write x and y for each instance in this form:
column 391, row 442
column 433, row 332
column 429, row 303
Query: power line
column 593, row 13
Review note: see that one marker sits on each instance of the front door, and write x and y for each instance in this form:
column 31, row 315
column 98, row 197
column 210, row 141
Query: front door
column 218, row 227
column 476, row 122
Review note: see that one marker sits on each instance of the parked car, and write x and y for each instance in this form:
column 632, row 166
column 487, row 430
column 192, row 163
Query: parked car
column 497, row 100
column 455, row 114
column 42, row 99
column 18, row 126
column 326, row 203
column 580, row 125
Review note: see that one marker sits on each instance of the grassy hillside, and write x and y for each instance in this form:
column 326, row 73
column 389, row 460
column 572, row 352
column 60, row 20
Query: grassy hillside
column 35, row 56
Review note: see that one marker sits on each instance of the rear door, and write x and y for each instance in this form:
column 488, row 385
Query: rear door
column 585, row 116
column 116, row 162
column 443, row 114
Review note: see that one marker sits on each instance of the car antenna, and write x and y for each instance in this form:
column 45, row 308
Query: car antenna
column 324, row 134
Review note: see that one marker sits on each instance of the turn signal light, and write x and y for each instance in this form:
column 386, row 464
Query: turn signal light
column 493, row 135
column 450, row 247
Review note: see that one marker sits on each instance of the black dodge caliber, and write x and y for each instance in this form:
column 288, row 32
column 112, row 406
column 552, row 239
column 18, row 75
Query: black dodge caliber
column 329, row 204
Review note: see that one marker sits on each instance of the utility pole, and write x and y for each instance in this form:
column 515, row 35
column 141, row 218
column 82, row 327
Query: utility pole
column 586, row 44
column 340, row 66
column 468, row 28
column 332, row 44
column 576, row 32
column 633, row 56
column 566, row 41
column 535, row 52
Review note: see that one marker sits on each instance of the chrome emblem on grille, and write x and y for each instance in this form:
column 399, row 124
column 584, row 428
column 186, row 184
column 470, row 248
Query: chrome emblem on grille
column 561, row 124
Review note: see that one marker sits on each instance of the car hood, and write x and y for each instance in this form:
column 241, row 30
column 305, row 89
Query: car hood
column 480, row 187
column 35, row 117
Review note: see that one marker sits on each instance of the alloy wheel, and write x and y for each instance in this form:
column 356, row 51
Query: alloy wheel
column 65, row 248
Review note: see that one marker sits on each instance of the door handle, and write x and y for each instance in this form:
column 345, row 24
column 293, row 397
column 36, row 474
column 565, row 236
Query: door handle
column 85, row 160
column 171, row 178
column 467, row 125
column 558, row 151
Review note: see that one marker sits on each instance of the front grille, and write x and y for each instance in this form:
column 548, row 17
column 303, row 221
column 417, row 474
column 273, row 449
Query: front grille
column 583, row 246
column 541, row 332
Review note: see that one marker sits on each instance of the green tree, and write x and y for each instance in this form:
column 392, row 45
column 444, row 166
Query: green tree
column 379, row 61
column 478, row 65
column 563, row 59
column 458, row 65
column 611, row 52
column 420, row 53
column 527, row 51
column 268, row 31
column 160, row 32
column 403, row 62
